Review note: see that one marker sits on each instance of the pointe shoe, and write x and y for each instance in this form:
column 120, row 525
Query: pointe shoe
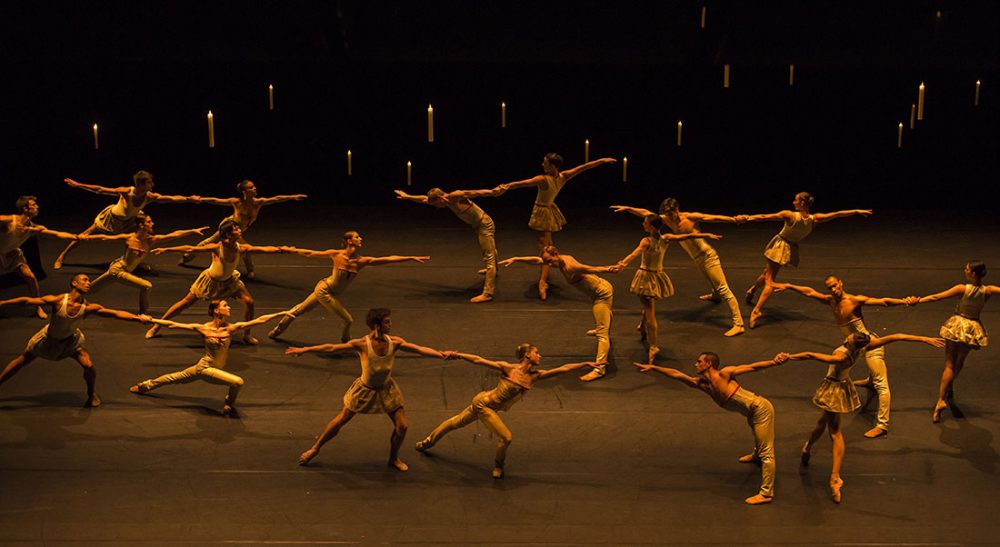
column 754, row 316
column 307, row 456
column 543, row 290
column 58, row 264
column 759, row 499
column 139, row 389
column 93, row 402
column 228, row 410
column 41, row 313
column 805, row 455
column 250, row 340
column 710, row 297
column 497, row 473
column 876, row 432
column 424, row 445
column 749, row 458
column 398, row 465
column 481, row 298
column 835, row 486
column 592, row 332
column 735, row 331
column 936, row 414
column 275, row 332
column 152, row 332
column 594, row 374
column 653, row 352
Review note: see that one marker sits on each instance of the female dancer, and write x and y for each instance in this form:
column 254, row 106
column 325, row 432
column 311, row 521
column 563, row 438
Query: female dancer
column 546, row 216
column 137, row 244
column 120, row 217
column 837, row 395
column 217, row 335
column 963, row 332
column 515, row 381
column 783, row 250
column 650, row 282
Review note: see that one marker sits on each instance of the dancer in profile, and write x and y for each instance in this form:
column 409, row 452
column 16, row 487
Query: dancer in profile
column 546, row 216
column 347, row 262
column 837, row 395
column 246, row 207
column 601, row 293
column 963, row 332
column 460, row 203
column 721, row 386
column 375, row 392
column 14, row 231
column 515, row 380
column 217, row 334
column 703, row 255
column 61, row 338
column 783, row 249
column 650, row 282
column 220, row 280
column 847, row 311
column 120, row 217
column 137, row 245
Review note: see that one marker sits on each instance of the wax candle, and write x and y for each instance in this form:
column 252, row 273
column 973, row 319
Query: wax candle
column 725, row 75
column 270, row 97
column 97, row 146
column 899, row 136
column 503, row 114
column 625, row 169
column 586, row 150
column 430, row 123
column 975, row 101
column 913, row 115
column 211, row 130
column 350, row 166
column 920, row 102
column 703, row 17
column 409, row 173
column 791, row 75
column 679, row 126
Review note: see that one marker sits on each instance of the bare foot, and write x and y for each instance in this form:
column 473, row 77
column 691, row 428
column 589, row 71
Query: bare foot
column 399, row 465
column 308, row 455
column 93, row 402
column 41, row 313
column 497, row 473
column 936, row 415
column 736, row 330
column 749, row 458
column 152, row 332
column 876, row 432
column 754, row 316
column 710, row 297
column 759, row 499
column 835, row 485
column 481, row 298
column 58, row 264
column 250, row 340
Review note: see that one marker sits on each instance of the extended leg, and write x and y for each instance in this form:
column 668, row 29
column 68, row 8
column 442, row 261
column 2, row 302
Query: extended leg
column 954, row 358
column 29, row 277
column 770, row 274
column 331, row 303
column 711, row 266
column 544, row 240
column 214, row 375
column 492, row 421
column 650, row 325
column 329, row 432
column 879, row 374
column 814, row 436
column 178, row 307
column 65, row 252
column 762, row 423
column 459, row 420
column 15, row 365
column 837, row 437
column 488, row 246
column 602, row 329
column 400, row 425
column 248, row 310
column 89, row 376
column 300, row 308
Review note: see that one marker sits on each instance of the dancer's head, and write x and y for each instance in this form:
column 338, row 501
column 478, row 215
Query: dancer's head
column 528, row 352
column 27, row 205
column 975, row 270
column 550, row 255
column 351, row 238
column 436, row 197
column 803, row 200
column 670, row 208
column 706, row 361
column 834, row 285
column 652, row 223
column 143, row 180
column 219, row 308
column 551, row 163
column 379, row 320
column 230, row 229
column 857, row 340
column 247, row 188
column 144, row 222
column 80, row 282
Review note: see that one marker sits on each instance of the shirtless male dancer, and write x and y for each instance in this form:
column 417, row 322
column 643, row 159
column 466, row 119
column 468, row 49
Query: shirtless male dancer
column 347, row 262
column 375, row 392
column 245, row 211
column 61, row 338
column 515, row 380
column 220, row 280
column 460, row 203
column 721, row 386
column 120, row 217
column 14, row 231
column 847, row 311
column 703, row 255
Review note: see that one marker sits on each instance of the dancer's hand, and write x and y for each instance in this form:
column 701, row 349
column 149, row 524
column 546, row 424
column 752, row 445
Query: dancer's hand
column 619, row 208
column 499, row 190
column 912, row 300
column 866, row 212
column 145, row 319
column 505, row 263
column 711, row 236
column 449, row 355
column 200, row 231
column 156, row 251
column 644, row 367
column 778, row 287
column 616, row 268
column 936, row 342
column 295, row 351
column 401, row 194
column 781, row 358
column 741, row 219
column 421, row 259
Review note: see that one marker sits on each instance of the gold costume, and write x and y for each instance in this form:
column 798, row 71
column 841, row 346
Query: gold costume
column 760, row 416
column 474, row 216
column 546, row 216
column 60, row 338
column 601, row 292
column 120, row 217
column 708, row 262
column 650, row 279
column 208, row 368
column 219, row 280
column 837, row 392
column 325, row 294
column 374, row 392
column 877, row 371
column 964, row 327
column 784, row 247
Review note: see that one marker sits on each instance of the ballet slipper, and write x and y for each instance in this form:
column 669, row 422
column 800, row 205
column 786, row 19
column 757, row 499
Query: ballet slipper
column 399, row 465
column 749, row 458
column 185, row 258
column 152, row 332
column 543, row 289
column 710, row 297
column 653, row 352
column 497, row 472
column 139, row 389
column 250, row 340
column 736, row 330
column 936, row 415
column 228, row 410
column 805, row 455
column 759, row 499
column 748, row 298
column 41, row 313
column 424, row 445
column 594, row 374
column 307, row 456
column 481, row 298
column 754, row 316
column 835, row 485
column 876, row 432
column 592, row 332
column 58, row 264
column 92, row 402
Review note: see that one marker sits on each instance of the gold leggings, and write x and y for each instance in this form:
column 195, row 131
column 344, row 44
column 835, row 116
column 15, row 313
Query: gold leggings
column 322, row 294
column 710, row 265
column 760, row 417
column 203, row 370
column 877, row 371
column 117, row 272
column 481, row 409
column 485, row 231
column 603, row 294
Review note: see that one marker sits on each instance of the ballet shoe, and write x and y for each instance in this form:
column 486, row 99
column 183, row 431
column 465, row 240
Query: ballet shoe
column 876, row 432
column 754, row 316
column 275, row 332
column 424, row 445
column 710, row 297
column 749, row 458
column 543, row 290
column 152, row 332
column 250, row 340
column 92, row 402
column 481, row 298
column 805, row 455
column 184, row 259
column 497, row 473
column 592, row 332
column 748, row 298
column 835, row 486
column 307, row 456
column 57, row 265
column 41, row 313
column 653, row 352
column 759, row 499
column 139, row 389
column 735, row 331
column 936, row 414
column 594, row 374
column 398, row 465
column 228, row 410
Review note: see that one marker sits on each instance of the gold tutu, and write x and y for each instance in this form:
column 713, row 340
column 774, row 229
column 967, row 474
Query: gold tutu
column 206, row 288
column 11, row 261
column 837, row 396
column 365, row 400
column 965, row 331
column 52, row 349
column 546, row 218
column 782, row 252
column 652, row 284
column 109, row 223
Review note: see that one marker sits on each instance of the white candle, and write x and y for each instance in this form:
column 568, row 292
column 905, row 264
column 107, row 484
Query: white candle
column 430, row 123
column 920, row 102
column 409, row 173
column 503, row 114
column 211, row 130
column 270, row 97
column 625, row 169
column 97, row 146
column 350, row 166
column 586, row 150
column 913, row 115
column 975, row 101
column 679, row 126
column 899, row 136
column 703, row 17
column 791, row 75
column 725, row 75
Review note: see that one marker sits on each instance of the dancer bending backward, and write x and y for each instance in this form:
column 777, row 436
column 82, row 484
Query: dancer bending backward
column 220, row 280
column 120, row 217
column 61, row 338
column 137, row 245
column 375, row 392
column 217, row 335
column 650, row 282
column 963, row 331
column 582, row 276
column 546, row 216
column 837, row 395
column 460, row 203
column 721, row 386
column 515, row 380
column 347, row 262
column 783, row 249
column 847, row 312
column 703, row 255
column 245, row 211
column 14, row 231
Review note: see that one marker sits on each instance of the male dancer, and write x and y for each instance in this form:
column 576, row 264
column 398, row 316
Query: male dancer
column 460, row 203
column 374, row 392
column 61, row 338
column 847, row 312
column 515, row 381
column 347, row 262
column 14, row 231
column 245, row 211
column 703, row 255
column 582, row 276
column 721, row 386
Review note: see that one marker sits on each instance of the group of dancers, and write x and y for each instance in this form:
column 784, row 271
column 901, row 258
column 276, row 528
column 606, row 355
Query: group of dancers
column 376, row 392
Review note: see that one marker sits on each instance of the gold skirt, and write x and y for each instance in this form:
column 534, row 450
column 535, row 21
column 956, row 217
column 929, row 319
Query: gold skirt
column 652, row 284
column 110, row 224
column 546, row 219
column 365, row 400
column 52, row 349
column 11, row 261
column 838, row 396
column 206, row 288
column 965, row 331
column 783, row 252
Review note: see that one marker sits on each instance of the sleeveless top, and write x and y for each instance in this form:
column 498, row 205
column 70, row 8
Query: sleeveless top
column 694, row 247
column 375, row 368
column 652, row 256
column 972, row 301
column 799, row 228
column 125, row 208
column 11, row 239
column 217, row 349
column 221, row 268
column 62, row 325
column 548, row 195
column 471, row 215
column 338, row 280
column 842, row 371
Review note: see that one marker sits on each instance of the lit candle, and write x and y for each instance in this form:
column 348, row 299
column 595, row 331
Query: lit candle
column 975, row 101
column 791, row 75
column 586, row 150
column 350, row 170
column 625, row 169
column 430, row 123
column 725, row 75
column 679, row 126
column 96, row 144
column 409, row 173
column 920, row 102
column 503, row 114
column 899, row 136
column 270, row 97
column 913, row 115
column 211, row 130
column 703, row 17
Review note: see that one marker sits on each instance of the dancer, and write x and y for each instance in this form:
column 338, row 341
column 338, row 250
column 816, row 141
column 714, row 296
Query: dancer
column 375, row 392
column 217, row 334
column 220, row 279
column 347, row 262
column 245, row 211
column 703, row 255
column 515, row 380
column 582, row 276
column 783, row 249
column 963, row 332
column 546, row 216
column 847, row 312
column 120, row 217
column 460, row 203
column 836, row 395
column 14, row 231
column 137, row 244
column 61, row 338
column 650, row 282
column 721, row 386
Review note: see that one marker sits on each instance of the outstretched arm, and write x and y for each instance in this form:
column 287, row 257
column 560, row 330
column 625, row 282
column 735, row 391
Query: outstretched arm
column 326, row 348
column 379, row 260
column 803, row 290
column 586, row 268
column 785, row 216
column 706, row 217
column 829, row 358
column 690, row 235
column 736, row 370
column 309, row 253
column 548, row 373
column 54, row 233
column 537, row 260
column 411, row 197
column 217, row 201
column 418, row 349
column 177, row 234
column 884, row 301
column 533, row 181
column 117, row 314
column 102, row 190
column 643, row 245
column 570, row 173
column 105, row 237
column 187, row 249
column 282, row 198
column 823, row 217
column 672, row 373
column 477, row 360
column 32, row 300
column 163, row 198
column 637, row 211
column 258, row 321
column 901, row 337
column 957, row 290
column 266, row 249
column 175, row 325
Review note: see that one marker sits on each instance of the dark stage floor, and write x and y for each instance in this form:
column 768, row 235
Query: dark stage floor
column 629, row 459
